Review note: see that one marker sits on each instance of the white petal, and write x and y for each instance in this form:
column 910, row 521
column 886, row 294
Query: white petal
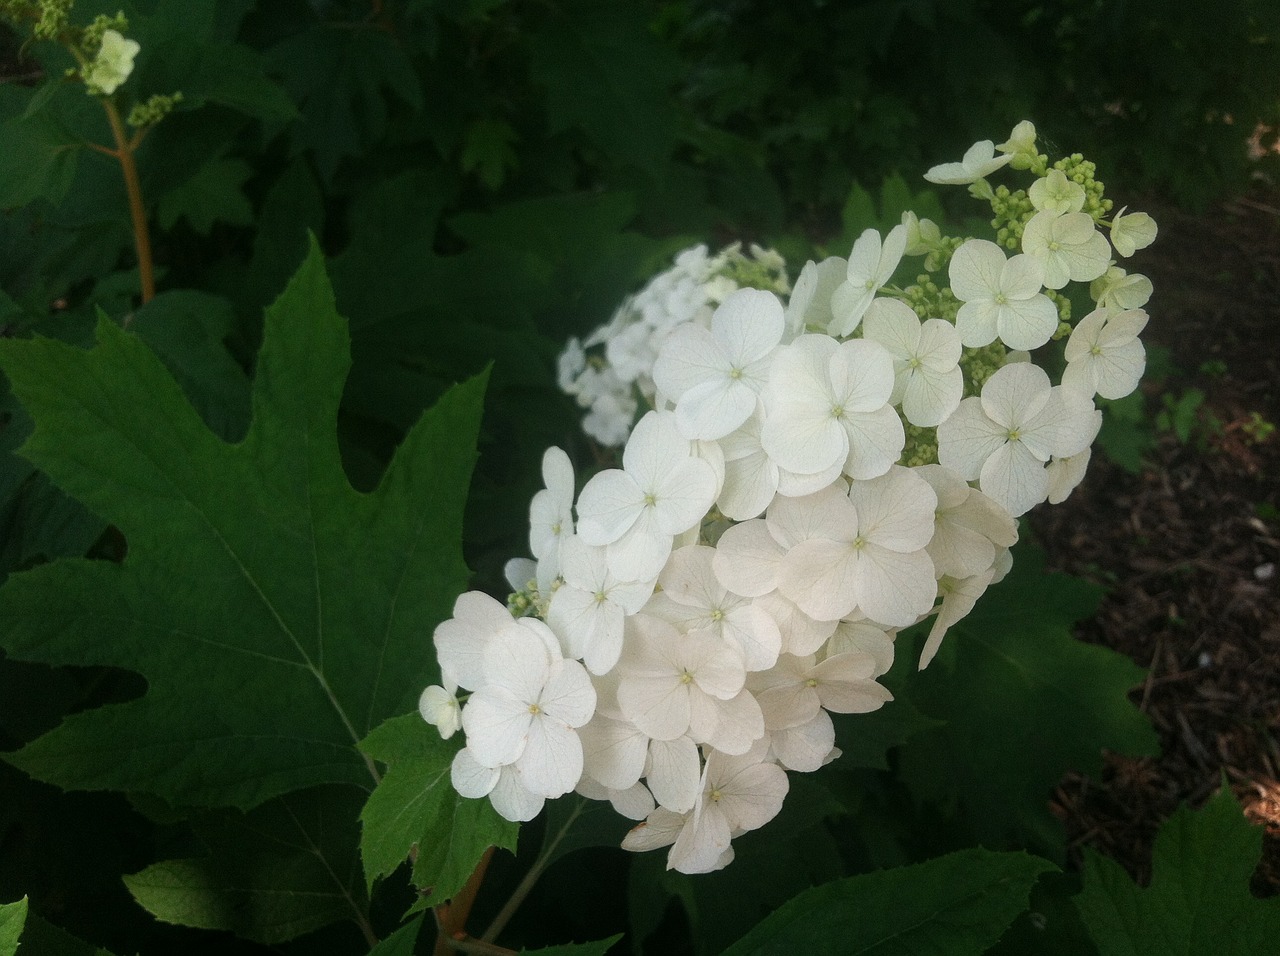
column 568, row 696
column 552, row 760
column 471, row 778
column 687, row 357
column 513, row 800
column 673, row 773
column 747, row 558
column 894, row 589
column 1015, row 479
column 613, row 752
column 608, row 506
column 497, row 727
column 819, row 576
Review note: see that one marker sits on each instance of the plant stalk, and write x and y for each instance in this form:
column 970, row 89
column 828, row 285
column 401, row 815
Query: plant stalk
column 541, row 863
column 451, row 917
column 137, row 211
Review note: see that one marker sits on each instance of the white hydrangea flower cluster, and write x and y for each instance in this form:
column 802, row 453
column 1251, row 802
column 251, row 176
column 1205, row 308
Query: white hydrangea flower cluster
column 611, row 371
column 813, row 477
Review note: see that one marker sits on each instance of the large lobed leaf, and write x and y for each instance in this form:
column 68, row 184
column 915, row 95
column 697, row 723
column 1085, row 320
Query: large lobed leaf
column 285, row 868
column 277, row 614
column 1023, row 703
column 1198, row 900
column 956, row 904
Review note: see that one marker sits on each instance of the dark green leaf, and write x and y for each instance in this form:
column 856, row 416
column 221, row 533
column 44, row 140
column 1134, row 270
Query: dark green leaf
column 1198, row 901
column 486, row 151
column 956, row 904
column 401, row 942
column 598, row 948
column 416, row 805
column 187, row 329
column 608, row 76
column 213, row 194
column 277, row 613
column 1024, row 702
column 285, row 868
column 38, row 160
column 13, row 916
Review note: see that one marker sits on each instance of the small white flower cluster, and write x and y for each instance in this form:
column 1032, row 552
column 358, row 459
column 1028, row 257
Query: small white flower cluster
column 611, row 371
column 812, row 478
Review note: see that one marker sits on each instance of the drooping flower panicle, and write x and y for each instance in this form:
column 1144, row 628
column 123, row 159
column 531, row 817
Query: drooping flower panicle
column 813, row 475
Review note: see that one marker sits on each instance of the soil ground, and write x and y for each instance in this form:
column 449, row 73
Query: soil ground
column 1189, row 546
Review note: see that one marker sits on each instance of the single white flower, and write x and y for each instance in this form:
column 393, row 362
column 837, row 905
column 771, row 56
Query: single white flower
column 113, row 64
column 551, row 512
column 693, row 599
column 1132, row 232
column 968, row 526
column 714, row 377
column 871, row 554
column 1001, row 297
column 439, row 706
column 809, row 308
column 662, row 490
column 588, row 609
column 827, row 402
column 1021, row 145
column 670, row 684
column 871, row 264
column 527, row 711
column 1116, row 289
column 738, row 794
column 1055, row 193
column 928, row 382
column 1005, row 437
column 1104, row 355
column 1068, row 247
column 980, row 160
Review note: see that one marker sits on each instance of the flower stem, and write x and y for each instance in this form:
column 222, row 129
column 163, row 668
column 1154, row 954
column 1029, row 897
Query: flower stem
column 451, row 917
column 137, row 211
column 541, row 863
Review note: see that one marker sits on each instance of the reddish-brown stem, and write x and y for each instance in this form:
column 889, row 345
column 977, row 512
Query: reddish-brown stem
column 452, row 916
column 137, row 211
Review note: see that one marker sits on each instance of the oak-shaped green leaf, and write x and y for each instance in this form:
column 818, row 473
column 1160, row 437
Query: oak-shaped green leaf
column 415, row 805
column 1023, row 702
column 956, row 904
column 283, row 869
column 276, row 613
column 1198, row 900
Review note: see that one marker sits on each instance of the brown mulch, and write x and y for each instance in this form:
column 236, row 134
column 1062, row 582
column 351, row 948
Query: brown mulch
column 1191, row 546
